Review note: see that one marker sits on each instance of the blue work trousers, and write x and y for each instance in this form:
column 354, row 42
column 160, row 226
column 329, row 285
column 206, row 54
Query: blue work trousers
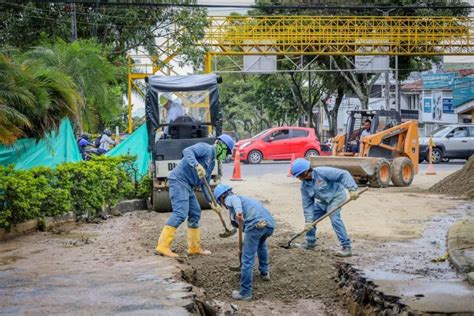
column 254, row 243
column 337, row 224
column 184, row 204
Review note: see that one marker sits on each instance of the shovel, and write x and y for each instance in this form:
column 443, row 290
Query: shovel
column 241, row 229
column 316, row 222
column 227, row 232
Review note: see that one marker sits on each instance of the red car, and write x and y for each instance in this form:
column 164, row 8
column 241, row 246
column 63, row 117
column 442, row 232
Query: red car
column 279, row 143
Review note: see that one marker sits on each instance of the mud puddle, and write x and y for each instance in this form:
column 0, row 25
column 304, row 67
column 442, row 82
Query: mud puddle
column 416, row 271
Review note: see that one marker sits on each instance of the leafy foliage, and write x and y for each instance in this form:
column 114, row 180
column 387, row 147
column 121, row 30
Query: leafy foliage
column 94, row 77
column 33, row 99
column 122, row 28
column 85, row 188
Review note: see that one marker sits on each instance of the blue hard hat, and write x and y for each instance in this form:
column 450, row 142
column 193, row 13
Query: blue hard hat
column 299, row 166
column 228, row 141
column 221, row 189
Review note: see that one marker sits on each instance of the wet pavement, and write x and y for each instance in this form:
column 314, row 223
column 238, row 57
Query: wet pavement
column 409, row 269
column 91, row 269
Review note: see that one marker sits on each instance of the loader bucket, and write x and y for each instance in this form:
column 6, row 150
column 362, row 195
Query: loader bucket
column 357, row 166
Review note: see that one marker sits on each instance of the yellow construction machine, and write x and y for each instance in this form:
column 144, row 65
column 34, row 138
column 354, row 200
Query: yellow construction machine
column 386, row 151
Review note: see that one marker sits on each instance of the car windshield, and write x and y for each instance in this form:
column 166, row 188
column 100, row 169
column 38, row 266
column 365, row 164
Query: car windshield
column 260, row 134
column 440, row 131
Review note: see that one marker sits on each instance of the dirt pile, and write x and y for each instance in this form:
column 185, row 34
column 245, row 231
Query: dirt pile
column 295, row 273
column 459, row 183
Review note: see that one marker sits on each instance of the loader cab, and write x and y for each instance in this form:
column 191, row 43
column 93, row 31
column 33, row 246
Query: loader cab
column 380, row 121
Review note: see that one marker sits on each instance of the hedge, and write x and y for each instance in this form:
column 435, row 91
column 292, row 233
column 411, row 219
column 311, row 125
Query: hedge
column 85, row 187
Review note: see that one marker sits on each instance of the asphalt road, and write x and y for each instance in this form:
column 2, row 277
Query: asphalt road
column 282, row 167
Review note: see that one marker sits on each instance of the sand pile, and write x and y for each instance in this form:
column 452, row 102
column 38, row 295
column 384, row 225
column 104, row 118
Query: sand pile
column 459, row 183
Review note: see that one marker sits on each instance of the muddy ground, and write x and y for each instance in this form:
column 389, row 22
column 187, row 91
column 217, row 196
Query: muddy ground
column 302, row 282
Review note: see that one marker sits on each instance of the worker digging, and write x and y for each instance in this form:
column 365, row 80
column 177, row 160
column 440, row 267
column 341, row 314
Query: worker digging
column 322, row 189
column 258, row 224
column 197, row 164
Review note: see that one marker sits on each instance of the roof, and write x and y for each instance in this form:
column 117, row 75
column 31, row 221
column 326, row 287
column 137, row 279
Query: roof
column 414, row 86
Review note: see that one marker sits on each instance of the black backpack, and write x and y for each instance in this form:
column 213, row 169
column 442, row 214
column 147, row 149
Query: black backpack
column 97, row 141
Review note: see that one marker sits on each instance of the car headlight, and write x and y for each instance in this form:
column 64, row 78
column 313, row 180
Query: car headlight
column 245, row 145
column 423, row 141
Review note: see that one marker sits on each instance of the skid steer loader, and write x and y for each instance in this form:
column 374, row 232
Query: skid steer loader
column 193, row 102
column 389, row 153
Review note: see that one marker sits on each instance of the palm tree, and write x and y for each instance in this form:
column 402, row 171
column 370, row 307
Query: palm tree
column 94, row 76
column 33, row 100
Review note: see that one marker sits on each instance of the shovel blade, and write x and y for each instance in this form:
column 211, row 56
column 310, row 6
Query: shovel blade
column 228, row 233
column 235, row 269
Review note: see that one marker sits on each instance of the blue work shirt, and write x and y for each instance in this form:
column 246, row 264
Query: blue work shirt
column 185, row 172
column 252, row 210
column 326, row 184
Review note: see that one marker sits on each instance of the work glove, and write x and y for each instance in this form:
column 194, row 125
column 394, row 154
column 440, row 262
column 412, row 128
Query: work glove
column 308, row 226
column 216, row 208
column 353, row 195
column 201, row 172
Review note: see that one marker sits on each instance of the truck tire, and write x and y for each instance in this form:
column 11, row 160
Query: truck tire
column 382, row 174
column 403, row 172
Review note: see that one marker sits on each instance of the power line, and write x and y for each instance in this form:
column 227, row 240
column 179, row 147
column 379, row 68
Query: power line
column 246, row 6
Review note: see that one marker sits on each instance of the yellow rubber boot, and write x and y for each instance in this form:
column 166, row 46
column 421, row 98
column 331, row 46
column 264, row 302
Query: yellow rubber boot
column 164, row 242
column 194, row 243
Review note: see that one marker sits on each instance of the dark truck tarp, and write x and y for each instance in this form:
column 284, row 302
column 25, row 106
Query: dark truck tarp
column 157, row 84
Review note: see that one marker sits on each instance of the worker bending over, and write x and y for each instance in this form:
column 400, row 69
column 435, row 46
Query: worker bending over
column 197, row 163
column 258, row 225
column 322, row 189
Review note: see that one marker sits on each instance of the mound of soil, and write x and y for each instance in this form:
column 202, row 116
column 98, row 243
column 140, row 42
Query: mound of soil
column 459, row 183
column 295, row 273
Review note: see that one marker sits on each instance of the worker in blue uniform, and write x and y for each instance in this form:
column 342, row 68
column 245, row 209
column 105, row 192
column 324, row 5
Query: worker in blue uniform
column 322, row 189
column 258, row 225
column 197, row 163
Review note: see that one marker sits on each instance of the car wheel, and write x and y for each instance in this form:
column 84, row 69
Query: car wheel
column 255, row 157
column 436, row 155
column 311, row 153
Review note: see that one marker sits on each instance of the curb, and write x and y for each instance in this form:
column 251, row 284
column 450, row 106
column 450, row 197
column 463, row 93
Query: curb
column 460, row 241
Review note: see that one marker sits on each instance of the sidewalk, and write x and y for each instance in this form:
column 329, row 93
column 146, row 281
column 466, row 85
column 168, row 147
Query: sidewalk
column 461, row 247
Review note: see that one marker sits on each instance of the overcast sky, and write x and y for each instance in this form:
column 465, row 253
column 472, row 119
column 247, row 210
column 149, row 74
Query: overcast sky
column 226, row 11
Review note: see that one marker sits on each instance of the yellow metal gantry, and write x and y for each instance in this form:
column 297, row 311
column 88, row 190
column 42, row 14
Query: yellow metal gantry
column 340, row 35
column 325, row 35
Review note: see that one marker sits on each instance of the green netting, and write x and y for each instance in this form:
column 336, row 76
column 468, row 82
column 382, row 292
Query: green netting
column 136, row 145
column 56, row 148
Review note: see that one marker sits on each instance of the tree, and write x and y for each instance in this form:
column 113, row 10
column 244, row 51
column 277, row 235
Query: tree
column 33, row 99
column 95, row 78
column 123, row 28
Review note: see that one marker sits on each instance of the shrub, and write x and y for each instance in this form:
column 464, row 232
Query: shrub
column 85, row 187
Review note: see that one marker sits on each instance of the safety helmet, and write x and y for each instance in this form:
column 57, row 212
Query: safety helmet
column 299, row 166
column 228, row 141
column 108, row 132
column 221, row 189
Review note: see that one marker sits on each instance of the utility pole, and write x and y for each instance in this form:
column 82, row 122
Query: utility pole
column 73, row 22
column 387, row 78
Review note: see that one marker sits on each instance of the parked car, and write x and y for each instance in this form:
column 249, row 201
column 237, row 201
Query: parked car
column 279, row 143
column 450, row 142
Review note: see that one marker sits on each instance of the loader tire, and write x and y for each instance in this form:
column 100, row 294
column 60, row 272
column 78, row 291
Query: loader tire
column 382, row 174
column 403, row 171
